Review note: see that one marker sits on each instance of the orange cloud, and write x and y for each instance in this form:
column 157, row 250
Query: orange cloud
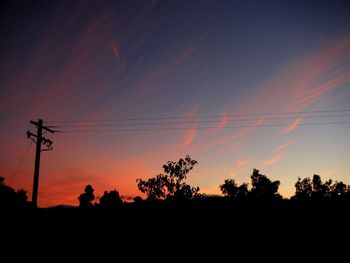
column 115, row 50
column 293, row 125
column 283, row 146
column 223, row 121
column 242, row 132
column 322, row 63
column 274, row 159
column 316, row 92
column 189, row 136
column 242, row 162
column 305, row 82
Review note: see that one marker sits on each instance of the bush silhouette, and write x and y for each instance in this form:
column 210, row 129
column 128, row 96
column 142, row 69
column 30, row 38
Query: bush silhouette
column 307, row 189
column 9, row 198
column 231, row 190
column 263, row 187
column 111, row 199
column 86, row 198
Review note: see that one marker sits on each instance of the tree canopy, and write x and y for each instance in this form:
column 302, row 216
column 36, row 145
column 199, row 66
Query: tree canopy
column 262, row 188
column 170, row 184
column 9, row 198
column 316, row 190
column 111, row 199
column 230, row 189
column 86, row 198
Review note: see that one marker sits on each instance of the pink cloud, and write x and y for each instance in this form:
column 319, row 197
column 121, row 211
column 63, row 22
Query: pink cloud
column 241, row 162
column 274, row 159
column 305, row 82
column 223, row 122
column 283, row 146
column 293, row 125
column 116, row 51
column 189, row 136
column 245, row 131
column 316, row 92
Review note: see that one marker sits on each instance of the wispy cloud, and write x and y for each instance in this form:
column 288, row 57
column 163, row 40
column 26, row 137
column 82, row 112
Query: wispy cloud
column 189, row 136
column 283, row 146
column 275, row 159
column 293, row 125
column 242, row 162
column 305, row 82
column 223, row 121
column 115, row 49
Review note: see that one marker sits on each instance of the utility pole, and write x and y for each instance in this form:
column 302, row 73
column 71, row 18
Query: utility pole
column 38, row 139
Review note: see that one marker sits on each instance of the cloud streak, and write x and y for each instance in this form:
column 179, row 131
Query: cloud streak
column 283, row 146
column 242, row 162
column 293, row 125
column 189, row 136
column 275, row 159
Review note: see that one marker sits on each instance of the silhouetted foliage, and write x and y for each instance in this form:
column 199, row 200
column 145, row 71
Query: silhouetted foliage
column 303, row 189
column 339, row 189
column 263, row 187
column 138, row 200
column 111, row 199
column 86, row 198
column 9, row 198
column 170, row 185
column 231, row 190
column 316, row 190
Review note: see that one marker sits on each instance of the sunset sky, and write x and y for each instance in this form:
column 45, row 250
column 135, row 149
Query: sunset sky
column 236, row 85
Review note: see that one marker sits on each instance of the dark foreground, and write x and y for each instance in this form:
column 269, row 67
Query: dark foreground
column 206, row 228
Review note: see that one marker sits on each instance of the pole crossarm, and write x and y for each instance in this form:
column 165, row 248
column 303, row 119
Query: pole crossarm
column 39, row 140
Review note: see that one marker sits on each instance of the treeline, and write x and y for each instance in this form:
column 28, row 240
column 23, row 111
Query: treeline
column 171, row 187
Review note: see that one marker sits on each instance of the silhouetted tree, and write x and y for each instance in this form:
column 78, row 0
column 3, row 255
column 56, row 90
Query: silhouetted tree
column 303, row 189
column 9, row 198
column 86, row 198
column 263, row 187
column 230, row 189
column 320, row 190
column 316, row 190
column 339, row 189
column 138, row 200
column 171, row 184
column 111, row 199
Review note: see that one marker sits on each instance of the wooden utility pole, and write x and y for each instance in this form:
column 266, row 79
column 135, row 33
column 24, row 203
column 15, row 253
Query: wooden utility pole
column 39, row 140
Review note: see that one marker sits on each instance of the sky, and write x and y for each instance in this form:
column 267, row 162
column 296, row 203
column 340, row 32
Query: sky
column 131, row 85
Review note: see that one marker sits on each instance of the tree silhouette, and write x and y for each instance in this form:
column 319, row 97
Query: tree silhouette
column 303, row 189
column 170, row 185
column 316, row 190
column 231, row 190
column 86, row 198
column 9, row 198
column 138, row 200
column 263, row 187
column 320, row 190
column 111, row 199
column 339, row 190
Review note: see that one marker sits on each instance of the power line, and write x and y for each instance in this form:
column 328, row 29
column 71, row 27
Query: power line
column 202, row 128
column 198, row 116
column 21, row 162
column 198, row 121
